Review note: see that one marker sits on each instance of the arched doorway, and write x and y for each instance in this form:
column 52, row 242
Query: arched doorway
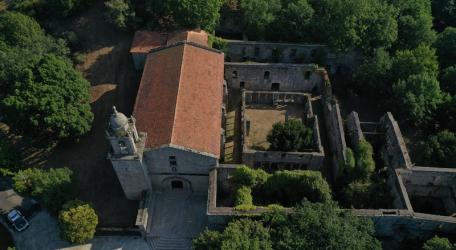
column 275, row 86
column 176, row 184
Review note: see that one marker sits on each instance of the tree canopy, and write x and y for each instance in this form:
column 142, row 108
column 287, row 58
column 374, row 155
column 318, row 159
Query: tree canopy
column 308, row 226
column 78, row 221
column 438, row 243
column 291, row 135
column 446, row 47
column 53, row 187
column 50, row 100
column 439, row 150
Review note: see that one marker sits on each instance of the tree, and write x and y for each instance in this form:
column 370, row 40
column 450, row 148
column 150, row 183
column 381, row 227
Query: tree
column 78, row 221
column 50, row 101
column 53, row 187
column 120, row 13
column 291, row 135
column 24, row 32
column 319, row 226
column 437, row 243
column 439, row 150
column 448, row 80
column 373, row 74
column 44, row 9
column 446, row 47
column 258, row 15
column 292, row 21
column 348, row 24
column 414, row 23
column 242, row 234
column 365, row 164
column 289, row 188
column 197, row 13
column 444, row 11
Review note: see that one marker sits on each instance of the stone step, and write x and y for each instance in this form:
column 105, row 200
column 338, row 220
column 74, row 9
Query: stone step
column 170, row 243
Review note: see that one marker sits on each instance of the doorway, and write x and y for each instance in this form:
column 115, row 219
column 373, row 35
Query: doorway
column 275, row 86
column 179, row 185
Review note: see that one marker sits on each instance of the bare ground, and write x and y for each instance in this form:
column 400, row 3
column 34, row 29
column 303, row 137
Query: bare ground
column 109, row 69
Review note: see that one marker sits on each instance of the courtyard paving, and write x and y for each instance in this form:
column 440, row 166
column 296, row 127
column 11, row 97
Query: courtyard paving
column 176, row 218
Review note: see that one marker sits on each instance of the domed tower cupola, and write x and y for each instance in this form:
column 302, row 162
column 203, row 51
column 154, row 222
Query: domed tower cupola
column 122, row 133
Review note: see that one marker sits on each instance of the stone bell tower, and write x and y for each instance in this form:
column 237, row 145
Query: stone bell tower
column 126, row 155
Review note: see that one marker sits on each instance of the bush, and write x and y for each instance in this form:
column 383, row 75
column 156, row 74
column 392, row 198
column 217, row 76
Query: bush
column 291, row 135
column 437, row 243
column 217, row 43
column 239, row 234
column 245, row 176
column 365, row 164
column 243, row 196
column 290, row 187
column 78, row 221
column 53, row 187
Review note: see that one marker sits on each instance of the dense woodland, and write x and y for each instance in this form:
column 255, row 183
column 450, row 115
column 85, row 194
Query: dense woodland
column 409, row 51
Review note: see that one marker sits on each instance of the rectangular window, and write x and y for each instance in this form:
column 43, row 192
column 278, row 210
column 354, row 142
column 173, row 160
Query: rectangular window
column 293, row 53
column 172, row 161
column 257, row 51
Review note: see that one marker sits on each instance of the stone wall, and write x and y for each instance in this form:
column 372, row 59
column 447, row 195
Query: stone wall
column 354, row 132
column 239, row 51
column 275, row 77
column 335, row 134
column 142, row 216
column 395, row 151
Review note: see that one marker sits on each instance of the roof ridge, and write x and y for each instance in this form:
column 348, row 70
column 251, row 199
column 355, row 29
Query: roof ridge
column 177, row 92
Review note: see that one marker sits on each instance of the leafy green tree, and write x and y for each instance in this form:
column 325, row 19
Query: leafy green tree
column 437, row 243
column 448, row 80
column 439, row 150
column 319, row 226
column 78, row 221
column 444, row 11
column 348, row 24
column 120, row 13
column 373, row 74
column 53, row 187
column 445, row 115
column 365, row 164
column 242, row 234
column 290, row 187
column 50, row 101
column 197, row 13
column 291, row 135
column 418, row 97
column 414, row 23
column 24, row 32
column 258, row 15
column 292, row 21
column 246, row 176
column 45, row 9
column 446, row 47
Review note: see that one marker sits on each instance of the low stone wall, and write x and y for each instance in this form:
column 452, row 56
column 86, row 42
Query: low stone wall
column 273, row 76
column 354, row 132
column 395, row 151
column 335, row 134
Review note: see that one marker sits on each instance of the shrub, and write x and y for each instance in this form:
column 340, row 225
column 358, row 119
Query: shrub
column 239, row 234
column 365, row 164
column 53, row 187
column 217, row 43
column 245, row 176
column 437, row 243
column 290, row 187
column 243, row 196
column 78, row 221
column 349, row 164
column 291, row 135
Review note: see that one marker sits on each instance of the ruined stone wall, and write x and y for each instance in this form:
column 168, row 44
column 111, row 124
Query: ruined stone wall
column 335, row 134
column 395, row 151
column 275, row 77
column 239, row 51
column 354, row 132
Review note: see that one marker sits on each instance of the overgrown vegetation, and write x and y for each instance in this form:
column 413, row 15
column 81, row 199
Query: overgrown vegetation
column 164, row 14
column 437, row 243
column 42, row 97
column 52, row 187
column 309, row 226
column 78, row 221
column 286, row 188
column 291, row 135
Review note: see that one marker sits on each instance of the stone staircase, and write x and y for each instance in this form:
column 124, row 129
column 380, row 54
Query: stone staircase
column 170, row 243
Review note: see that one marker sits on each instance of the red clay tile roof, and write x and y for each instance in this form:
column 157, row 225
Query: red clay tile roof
column 144, row 41
column 179, row 100
column 196, row 36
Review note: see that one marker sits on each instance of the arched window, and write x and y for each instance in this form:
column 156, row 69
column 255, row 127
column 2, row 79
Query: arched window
column 266, row 75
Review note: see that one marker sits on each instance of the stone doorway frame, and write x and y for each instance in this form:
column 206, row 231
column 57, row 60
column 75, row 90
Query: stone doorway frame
column 167, row 184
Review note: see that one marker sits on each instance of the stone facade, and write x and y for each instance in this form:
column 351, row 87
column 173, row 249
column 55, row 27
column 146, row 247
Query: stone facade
column 240, row 51
column 273, row 77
